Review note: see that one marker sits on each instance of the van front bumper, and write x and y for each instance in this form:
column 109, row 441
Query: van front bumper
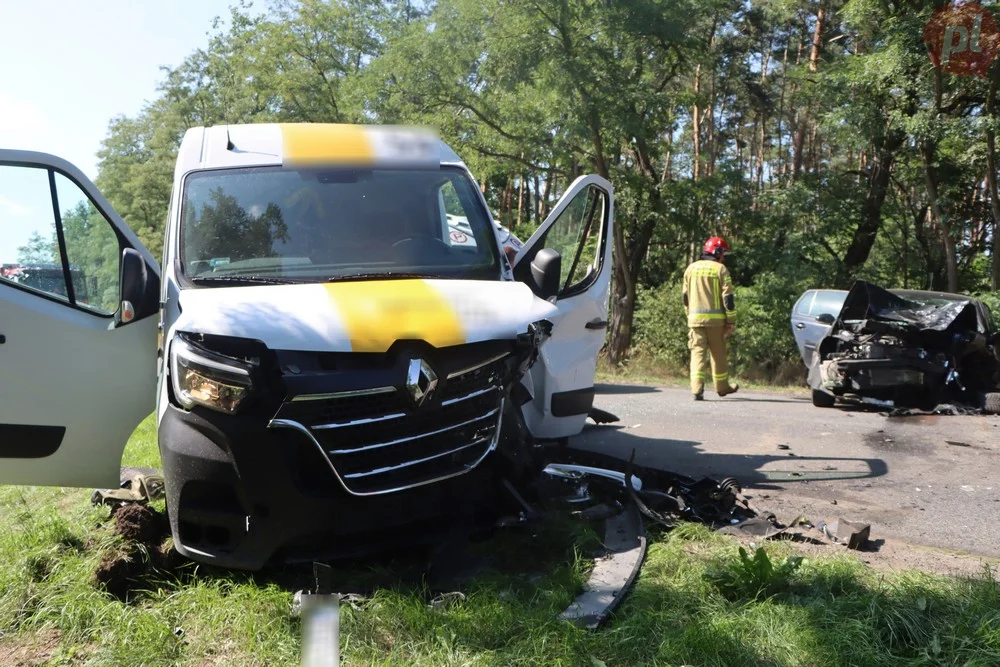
column 242, row 495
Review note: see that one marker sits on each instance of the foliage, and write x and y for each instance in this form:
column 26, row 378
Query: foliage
column 757, row 576
column 853, row 158
column 661, row 325
column 37, row 250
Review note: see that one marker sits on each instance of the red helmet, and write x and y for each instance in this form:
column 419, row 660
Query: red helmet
column 715, row 246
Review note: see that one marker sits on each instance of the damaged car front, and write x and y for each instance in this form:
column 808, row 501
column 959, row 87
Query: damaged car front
column 915, row 349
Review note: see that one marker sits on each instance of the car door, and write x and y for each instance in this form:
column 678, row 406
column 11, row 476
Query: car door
column 814, row 325
column 78, row 299
column 800, row 320
column 561, row 382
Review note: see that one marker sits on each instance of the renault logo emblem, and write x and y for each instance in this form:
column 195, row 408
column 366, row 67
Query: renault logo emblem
column 421, row 380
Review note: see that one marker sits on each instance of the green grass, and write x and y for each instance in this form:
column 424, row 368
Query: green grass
column 695, row 603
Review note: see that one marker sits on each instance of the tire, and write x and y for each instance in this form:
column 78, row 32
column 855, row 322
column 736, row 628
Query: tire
column 991, row 405
column 822, row 399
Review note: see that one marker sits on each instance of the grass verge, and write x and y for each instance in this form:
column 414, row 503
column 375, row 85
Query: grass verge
column 696, row 602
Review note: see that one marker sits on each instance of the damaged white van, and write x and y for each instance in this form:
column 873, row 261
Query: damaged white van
column 330, row 366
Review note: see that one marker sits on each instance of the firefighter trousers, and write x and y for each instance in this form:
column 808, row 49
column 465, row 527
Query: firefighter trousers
column 706, row 342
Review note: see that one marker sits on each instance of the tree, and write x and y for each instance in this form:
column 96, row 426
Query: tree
column 38, row 250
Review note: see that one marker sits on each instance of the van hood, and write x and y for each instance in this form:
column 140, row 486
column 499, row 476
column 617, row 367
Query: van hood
column 363, row 315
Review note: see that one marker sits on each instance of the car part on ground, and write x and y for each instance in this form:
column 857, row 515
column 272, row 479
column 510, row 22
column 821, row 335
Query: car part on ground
column 912, row 353
column 853, row 535
column 614, row 572
column 590, row 486
column 139, row 485
column 602, row 416
column 663, row 496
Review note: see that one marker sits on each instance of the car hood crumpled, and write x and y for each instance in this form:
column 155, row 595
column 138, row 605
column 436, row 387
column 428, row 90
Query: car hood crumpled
column 866, row 301
column 364, row 315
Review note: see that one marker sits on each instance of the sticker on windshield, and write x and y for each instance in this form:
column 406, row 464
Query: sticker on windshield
column 460, row 231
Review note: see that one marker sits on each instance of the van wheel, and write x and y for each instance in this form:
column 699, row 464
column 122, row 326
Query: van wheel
column 991, row 405
column 822, row 399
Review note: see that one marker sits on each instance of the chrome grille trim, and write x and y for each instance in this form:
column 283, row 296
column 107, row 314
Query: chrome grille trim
column 379, row 471
column 489, row 361
column 343, row 394
column 296, row 426
column 374, row 438
column 397, row 415
column 359, row 422
column 452, row 401
column 411, row 438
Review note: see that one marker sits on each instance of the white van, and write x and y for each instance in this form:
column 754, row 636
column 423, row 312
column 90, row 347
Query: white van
column 327, row 366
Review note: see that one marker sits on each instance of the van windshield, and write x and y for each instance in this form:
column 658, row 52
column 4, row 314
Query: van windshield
column 273, row 223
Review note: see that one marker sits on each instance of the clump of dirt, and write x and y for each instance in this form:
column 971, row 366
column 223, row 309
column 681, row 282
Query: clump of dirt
column 121, row 570
column 140, row 523
column 143, row 551
column 39, row 567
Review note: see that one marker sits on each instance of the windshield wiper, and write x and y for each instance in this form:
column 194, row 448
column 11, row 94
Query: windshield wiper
column 245, row 280
column 375, row 276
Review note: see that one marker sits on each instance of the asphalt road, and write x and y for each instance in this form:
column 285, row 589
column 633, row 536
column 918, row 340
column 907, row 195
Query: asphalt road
column 900, row 474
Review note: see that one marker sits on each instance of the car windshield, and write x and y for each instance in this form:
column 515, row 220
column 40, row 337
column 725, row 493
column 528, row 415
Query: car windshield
column 277, row 224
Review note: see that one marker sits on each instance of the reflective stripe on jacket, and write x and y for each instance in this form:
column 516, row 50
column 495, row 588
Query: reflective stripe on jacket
column 708, row 292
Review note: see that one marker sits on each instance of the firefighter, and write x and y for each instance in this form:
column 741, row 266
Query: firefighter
column 711, row 311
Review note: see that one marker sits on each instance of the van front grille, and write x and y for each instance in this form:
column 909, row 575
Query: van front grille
column 378, row 441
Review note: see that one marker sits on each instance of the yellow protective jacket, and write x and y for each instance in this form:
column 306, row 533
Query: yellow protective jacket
column 708, row 294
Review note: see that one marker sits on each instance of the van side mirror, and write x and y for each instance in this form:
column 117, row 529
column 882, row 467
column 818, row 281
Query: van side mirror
column 138, row 289
column 826, row 318
column 545, row 270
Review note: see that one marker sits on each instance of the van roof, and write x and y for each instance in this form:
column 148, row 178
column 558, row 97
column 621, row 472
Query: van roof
column 311, row 144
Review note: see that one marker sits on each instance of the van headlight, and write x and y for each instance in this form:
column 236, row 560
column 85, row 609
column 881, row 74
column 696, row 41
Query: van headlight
column 200, row 377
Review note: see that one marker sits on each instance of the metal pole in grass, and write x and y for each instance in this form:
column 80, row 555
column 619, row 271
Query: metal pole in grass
column 320, row 622
column 321, row 630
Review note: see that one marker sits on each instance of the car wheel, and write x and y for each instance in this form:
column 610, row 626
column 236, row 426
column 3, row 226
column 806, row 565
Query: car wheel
column 822, row 399
column 991, row 405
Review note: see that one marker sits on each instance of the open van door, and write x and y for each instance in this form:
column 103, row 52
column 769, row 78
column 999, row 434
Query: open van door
column 78, row 299
column 579, row 229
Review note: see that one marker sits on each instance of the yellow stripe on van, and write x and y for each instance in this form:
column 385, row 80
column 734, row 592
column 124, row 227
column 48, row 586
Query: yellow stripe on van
column 377, row 313
column 305, row 144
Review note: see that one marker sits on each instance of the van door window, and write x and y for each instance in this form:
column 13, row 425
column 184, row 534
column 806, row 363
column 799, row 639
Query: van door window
column 92, row 249
column 29, row 247
column 575, row 235
column 53, row 241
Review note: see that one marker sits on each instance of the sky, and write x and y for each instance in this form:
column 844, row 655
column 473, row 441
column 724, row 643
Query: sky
column 67, row 67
